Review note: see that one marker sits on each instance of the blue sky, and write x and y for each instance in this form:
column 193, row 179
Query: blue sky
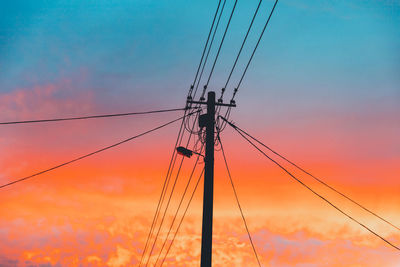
column 310, row 48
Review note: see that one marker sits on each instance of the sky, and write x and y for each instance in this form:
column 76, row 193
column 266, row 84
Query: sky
column 323, row 89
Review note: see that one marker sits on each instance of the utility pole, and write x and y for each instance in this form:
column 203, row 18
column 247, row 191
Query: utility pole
column 208, row 196
column 208, row 121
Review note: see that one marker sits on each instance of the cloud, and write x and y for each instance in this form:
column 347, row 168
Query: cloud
column 46, row 100
column 120, row 258
column 119, row 240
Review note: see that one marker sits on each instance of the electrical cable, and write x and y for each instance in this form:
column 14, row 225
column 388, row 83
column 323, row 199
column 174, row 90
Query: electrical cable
column 179, row 205
column 90, row 154
column 168, row 177
column 165, row 212
column 240, row 51
column 164, row 192
column 187, row 121
column 248, row 63
column 202, row 69
column 204, row 50
column 219, row 50
column 209, row 48
column 164, row 188
column 170, row 196
column 319, row 180
column 255, row 48
column 237, row 200
column 314, row 192
column 183, row 216
column 234, row 65
column 92, row 116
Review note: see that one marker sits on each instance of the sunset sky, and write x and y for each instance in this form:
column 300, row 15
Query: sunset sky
column 323, row 89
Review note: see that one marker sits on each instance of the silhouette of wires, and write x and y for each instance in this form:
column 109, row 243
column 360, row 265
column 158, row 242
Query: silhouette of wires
column 183, row 217
column 237, row 200
column 254, row 51
column 232, row 101
column 179, row 205
column 309, row 188
column 209, row 48
column 93, row 116
column 317, row 179
column 204, row 49
column 164, row 187
column 90, row 154
column 170, row 195
column 240, row 51
column 219, row 50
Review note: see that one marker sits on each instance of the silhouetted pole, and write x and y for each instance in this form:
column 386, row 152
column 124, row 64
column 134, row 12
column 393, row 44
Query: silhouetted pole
column 208, row 121
column 206, row 238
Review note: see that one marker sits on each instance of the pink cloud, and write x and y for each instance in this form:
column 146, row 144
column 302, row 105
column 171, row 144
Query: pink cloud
column 46, row 101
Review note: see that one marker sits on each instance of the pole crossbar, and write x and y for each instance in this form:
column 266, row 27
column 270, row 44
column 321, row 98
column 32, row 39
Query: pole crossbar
column 216, row 103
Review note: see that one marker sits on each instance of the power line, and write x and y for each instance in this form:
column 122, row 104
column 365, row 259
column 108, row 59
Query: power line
column 205, row 48
column 177, row 175
column 165, row 211
column 166, row 184
column 183, row 217
column 164, row 192
column 209, row 47
column 171, row 193
column 234, row 64
column 314, row 192
column 90, row 154
column 237, row 200
column 179, row 206
column 240, row 50
column 318, row 179
column 254, row 51
column 93, row 116
column 248, row 63
column 164, row 188
column 169, row 199
column 159, row 210
column 219, row 49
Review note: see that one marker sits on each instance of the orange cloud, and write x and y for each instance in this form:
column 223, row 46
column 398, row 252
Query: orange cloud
column 98, row 212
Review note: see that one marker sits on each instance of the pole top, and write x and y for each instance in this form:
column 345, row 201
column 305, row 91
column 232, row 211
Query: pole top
column 211, row 95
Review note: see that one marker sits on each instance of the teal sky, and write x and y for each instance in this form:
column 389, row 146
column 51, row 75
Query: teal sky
column 341, row 50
